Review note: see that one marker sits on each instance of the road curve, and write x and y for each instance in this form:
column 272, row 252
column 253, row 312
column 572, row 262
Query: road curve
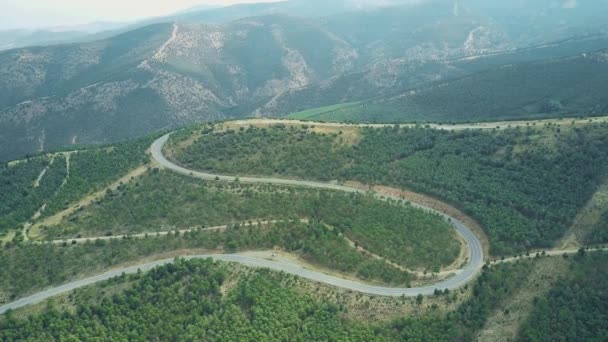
column 474, row 264
column 475, row 249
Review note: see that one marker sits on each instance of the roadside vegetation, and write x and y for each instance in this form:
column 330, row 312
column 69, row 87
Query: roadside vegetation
column 199, row 298
column 524, row 185
column 185, row 302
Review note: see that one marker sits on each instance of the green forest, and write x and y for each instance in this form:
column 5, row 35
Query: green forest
column 553, row 88
column 524, row 185
column 599, row 234
column 199, row 300
column 162, row 201
column 60, row 185
column 185, row 302
column 93, row 169
column 20, row 196
column 576, row 308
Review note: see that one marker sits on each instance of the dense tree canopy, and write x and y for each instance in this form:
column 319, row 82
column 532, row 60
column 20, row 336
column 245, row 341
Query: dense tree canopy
column 197, row 300
column 599, row 234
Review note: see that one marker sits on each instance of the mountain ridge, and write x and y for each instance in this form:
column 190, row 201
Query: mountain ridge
column 170, row 74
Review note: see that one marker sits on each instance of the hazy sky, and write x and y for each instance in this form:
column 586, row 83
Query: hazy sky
column 44, row 13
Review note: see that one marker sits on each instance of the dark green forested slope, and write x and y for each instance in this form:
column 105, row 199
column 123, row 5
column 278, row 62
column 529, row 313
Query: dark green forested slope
column 576, row 309
column 524, row 185
column 552, row 88
column 25, row 268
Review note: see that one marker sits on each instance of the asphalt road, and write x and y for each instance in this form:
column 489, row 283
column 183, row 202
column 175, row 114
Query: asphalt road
column 475, row 251
column 474, row 264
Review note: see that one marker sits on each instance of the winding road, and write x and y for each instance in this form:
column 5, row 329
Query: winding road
column 475, row 255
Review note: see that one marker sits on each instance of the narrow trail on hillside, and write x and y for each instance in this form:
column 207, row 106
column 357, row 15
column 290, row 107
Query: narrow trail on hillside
column 43, row 172
column 161, row 54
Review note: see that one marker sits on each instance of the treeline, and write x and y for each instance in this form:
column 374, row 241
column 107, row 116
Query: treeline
column 524, row 185
column 576, row 308
column 162, row 201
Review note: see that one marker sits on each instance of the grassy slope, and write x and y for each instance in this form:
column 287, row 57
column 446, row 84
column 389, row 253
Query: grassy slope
column 311, row 114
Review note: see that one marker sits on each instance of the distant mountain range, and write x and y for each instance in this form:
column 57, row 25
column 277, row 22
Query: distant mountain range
column 406, row 62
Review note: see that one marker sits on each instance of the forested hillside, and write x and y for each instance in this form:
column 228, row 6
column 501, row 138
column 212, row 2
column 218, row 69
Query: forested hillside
column 277, row 59
column 50, row 183
column 162, row 202
column 185, row 301
column 196, row 299
column 24, row 190
column 568, row 87
column 576, row 308
column 600, row 230
column 524, row 185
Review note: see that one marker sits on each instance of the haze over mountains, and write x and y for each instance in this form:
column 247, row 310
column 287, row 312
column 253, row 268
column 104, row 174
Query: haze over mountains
column 406, row 60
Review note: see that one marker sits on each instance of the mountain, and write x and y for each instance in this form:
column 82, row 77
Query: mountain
column 211, row 14
column 170, row 74
column 159, row 76
column 565, row 87
column 12, row 39
column 392, row 78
